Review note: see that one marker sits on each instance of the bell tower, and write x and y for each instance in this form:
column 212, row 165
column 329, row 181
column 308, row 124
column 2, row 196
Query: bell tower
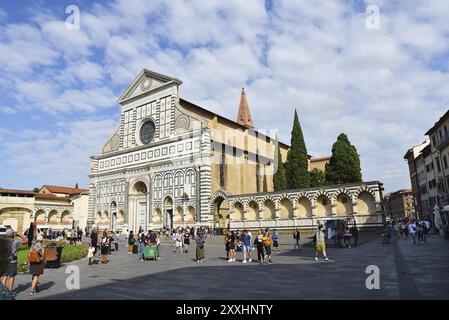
column 244, row 116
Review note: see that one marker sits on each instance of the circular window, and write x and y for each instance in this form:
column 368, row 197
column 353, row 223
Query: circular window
column 147, row 132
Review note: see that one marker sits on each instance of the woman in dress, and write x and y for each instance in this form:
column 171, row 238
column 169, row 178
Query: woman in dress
column 105, row 242
column 37, row 262
column 232, row 247
column 186, row 241
column 200, row 252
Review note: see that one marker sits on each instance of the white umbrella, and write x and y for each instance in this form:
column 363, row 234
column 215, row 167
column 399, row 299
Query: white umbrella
column 437, row 218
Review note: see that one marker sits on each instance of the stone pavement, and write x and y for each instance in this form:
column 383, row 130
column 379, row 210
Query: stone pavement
column 407, row 271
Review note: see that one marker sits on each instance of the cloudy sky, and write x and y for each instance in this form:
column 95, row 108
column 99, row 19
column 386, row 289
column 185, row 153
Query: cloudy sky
column 59, row 87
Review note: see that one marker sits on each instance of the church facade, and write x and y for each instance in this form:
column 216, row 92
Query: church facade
column 173, row 163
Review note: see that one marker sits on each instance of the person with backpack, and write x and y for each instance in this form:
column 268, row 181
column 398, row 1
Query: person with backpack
column 320, row 242
column 266, row 240
column 297, row 238
column 246, row 241
column 5, row 249
column 11, row 271
column 36, row 258
column 275, row 238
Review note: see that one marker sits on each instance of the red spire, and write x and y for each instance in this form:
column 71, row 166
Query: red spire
column 244, row 116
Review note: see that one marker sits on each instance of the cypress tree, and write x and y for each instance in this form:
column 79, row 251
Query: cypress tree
column 297, row 160
column 279, row 179
column 344, row 165
column 317, row 178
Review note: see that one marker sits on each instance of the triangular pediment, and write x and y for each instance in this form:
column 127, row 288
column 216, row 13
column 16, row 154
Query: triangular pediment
column 146, row 82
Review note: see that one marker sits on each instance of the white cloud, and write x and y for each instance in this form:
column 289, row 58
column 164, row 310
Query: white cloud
column 383, row 87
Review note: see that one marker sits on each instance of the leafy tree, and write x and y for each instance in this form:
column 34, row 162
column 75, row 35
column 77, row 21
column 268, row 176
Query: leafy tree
column 297, row 160
column 36, row 189
column 279, row 179
column 344, row 165
column 317, row 178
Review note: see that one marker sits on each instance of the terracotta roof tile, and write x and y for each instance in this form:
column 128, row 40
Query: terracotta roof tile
column 66, row 190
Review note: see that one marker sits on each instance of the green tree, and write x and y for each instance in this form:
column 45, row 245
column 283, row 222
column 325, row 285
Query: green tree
column 317, row 178
column 344, row 165
column 297, row 160
column 279, row 179
column 36, row 189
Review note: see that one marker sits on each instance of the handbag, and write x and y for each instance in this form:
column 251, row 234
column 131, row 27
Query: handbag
column 90, row 254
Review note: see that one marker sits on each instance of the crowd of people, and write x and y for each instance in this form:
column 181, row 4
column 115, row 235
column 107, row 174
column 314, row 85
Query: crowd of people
column 406, row 228
column 260, row 245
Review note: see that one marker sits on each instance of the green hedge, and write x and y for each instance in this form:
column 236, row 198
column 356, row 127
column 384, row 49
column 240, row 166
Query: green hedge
column 69, row 253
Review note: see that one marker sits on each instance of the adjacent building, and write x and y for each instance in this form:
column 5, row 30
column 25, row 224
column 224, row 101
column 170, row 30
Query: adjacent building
column 400, row 204
column 51, row 207
column 429, row 169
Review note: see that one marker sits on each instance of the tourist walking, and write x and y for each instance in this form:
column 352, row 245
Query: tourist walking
column 104, row 247
column 267, row 241
column 131, row 242
column 117, row 241
column 412, row 231
column 186, row 241
column 227, row 241
column 320, row 243
column 5, row 249
column 178, row 242
column 258, row 242
column 93, row 244
column 36, row 258
column 420, row 232
column 297, row 238
column 355, row 234
column 246, row 240
column 11, row 271
column 275, row 238
column 200, row 241
column 231, row 240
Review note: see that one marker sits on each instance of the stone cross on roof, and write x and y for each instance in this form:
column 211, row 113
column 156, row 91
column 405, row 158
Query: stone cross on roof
column 244, row 116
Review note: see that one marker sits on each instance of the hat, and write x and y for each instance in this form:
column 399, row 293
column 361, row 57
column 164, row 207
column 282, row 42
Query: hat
column 39, row 238
column 9, row 233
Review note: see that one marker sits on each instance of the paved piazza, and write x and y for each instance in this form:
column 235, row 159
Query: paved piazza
column 406, row 272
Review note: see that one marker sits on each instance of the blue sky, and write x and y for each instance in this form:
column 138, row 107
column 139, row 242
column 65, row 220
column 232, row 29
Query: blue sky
column 383, row 87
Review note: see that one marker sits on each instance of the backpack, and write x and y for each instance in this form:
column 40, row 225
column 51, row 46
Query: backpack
column 34, row 256
column 266, row 241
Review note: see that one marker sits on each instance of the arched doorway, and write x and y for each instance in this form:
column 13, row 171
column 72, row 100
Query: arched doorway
column 344, row 205
column 323, row 206
column 168, row 212
column 221, row 213
column 138, row 202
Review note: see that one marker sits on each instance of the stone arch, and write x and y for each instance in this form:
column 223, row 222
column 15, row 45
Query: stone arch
column 66, row 217
column 179, row 212
column 139, row 187
column 366, row 203
column 269, row 211
column 323, row 206
column 304, row 207
column 221, row 209
column 98, row 217
column 39, row 217
column 157, row 215
column 285, row 208
column 190, row 217
column 253, row 210
column 16, row 217
column 343, row 203
column 53, row 217
column 238, row 211
column 121, row 217
column 364, row 189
